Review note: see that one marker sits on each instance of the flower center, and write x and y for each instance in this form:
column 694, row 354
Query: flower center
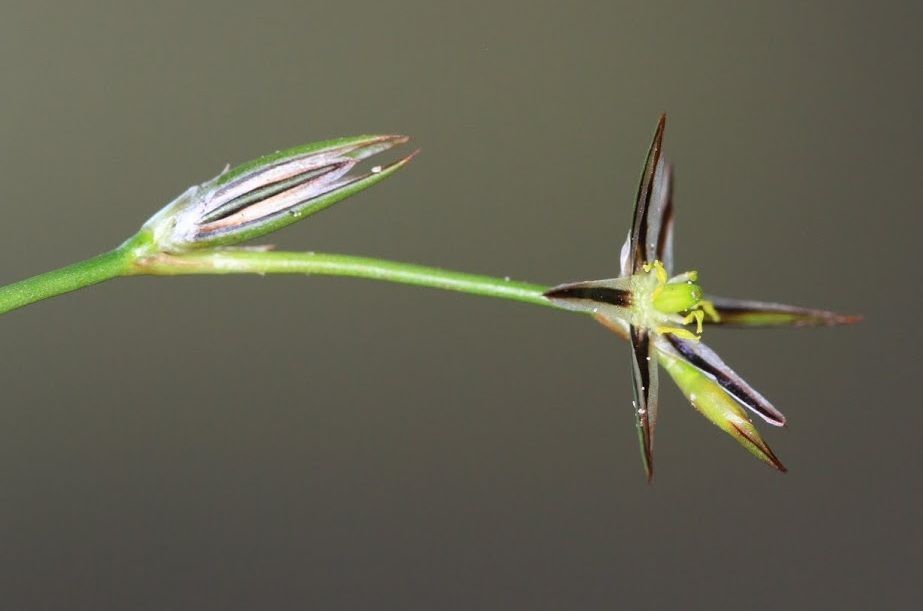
column 666, row 305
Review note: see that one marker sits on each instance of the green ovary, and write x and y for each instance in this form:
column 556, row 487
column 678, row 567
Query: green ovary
column 675, row 302
column 680, row 297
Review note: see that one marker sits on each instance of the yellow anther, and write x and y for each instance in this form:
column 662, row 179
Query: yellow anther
column 709, row 309
column 662, row 277
column 698, row 316
column 679, row 332
column 659, row 269
column 661, row 273
column 681, row 296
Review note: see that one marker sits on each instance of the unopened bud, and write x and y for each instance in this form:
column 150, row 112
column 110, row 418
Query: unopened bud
column 269, row 193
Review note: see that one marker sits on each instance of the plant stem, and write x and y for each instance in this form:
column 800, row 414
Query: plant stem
column 241, row 261
column 66, row 279
column 134, row 258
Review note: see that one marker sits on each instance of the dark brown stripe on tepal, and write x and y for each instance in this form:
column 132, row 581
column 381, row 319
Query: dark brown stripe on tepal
column 641, row 372
column 639, row 224
column 601, row 294
column 704, row 359
column 696, row 360
column 666, row 223
column 765, row 449
column 268, row 190
column 640, row 340
column 748, row 313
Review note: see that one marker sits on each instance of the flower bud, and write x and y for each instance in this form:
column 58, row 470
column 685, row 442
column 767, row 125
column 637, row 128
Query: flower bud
column 269, row 193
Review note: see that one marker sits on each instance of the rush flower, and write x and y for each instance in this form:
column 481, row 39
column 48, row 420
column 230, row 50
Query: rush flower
column 662, row 316
column 269, row 193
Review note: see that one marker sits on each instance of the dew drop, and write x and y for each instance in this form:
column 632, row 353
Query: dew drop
column 376, row 169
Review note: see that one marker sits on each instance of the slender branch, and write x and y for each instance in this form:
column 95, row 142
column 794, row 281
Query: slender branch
column 137, row 257
column 66, row 279
column 242, row 261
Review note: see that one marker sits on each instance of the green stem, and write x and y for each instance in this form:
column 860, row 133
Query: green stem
column 66, row 279
column 240, row 261
column 135, row 257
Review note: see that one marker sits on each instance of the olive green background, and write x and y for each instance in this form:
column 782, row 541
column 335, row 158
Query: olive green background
column 313, row 443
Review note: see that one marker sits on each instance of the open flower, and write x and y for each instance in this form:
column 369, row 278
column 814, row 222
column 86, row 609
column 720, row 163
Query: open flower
column 662, row 315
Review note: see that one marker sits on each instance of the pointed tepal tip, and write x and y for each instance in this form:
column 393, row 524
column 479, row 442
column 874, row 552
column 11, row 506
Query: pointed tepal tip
column 379, row 172
column 362, row 147
column 407, row 159
column 647, row 458
column 661, row 125
column 823, row 318
column 760, row 448
column 847, row 319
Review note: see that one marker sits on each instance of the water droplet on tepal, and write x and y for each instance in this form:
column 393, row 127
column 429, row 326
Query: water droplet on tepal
column 376, row 169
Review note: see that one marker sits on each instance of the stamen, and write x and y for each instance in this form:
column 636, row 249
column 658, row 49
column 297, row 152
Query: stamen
column 679, row 332
column 709, row 309
column 698, row 316
column 660, row 270
column 662, row 277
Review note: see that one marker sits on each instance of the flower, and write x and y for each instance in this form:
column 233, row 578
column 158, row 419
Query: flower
column 662, row 315
column 266, row 194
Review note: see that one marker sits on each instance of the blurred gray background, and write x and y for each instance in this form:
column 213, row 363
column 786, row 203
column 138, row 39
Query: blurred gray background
column 313, row 443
